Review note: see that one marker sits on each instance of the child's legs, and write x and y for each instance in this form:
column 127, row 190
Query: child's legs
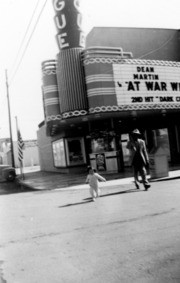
column 92, row 192
column 98, row 192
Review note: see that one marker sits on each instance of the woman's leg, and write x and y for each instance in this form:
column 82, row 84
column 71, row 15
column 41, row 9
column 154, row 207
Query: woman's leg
column 144, row 177
column 136, row 177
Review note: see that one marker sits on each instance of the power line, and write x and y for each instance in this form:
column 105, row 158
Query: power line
column 28, row 42
column 26, row 32
column 160, row 47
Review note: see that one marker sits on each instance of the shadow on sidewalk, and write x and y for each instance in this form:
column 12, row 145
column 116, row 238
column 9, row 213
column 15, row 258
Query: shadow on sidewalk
column 87, row 200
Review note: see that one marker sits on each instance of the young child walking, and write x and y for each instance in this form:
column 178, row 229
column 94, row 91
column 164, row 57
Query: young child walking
column 92, row 180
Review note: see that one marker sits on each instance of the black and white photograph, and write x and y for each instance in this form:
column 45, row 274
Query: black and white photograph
column 89, row 141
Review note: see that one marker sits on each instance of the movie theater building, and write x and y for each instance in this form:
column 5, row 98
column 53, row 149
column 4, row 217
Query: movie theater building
column 93, row 96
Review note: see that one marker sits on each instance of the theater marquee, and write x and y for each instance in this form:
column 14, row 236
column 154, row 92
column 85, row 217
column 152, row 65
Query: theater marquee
column 147, row 84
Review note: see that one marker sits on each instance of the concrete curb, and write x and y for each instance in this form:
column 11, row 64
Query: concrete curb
column 124, row 181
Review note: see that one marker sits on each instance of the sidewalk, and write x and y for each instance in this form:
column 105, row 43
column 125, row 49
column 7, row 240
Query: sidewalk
column 40, row 180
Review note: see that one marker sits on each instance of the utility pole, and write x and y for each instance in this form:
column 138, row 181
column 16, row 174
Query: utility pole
column 10, row 129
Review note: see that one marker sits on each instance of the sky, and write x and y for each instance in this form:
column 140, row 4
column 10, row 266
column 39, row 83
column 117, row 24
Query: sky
column 24, row 65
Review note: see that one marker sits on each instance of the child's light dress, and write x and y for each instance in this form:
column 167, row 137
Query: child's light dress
column 92, row 179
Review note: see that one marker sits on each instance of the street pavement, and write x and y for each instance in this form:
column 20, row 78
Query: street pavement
column 60, row 235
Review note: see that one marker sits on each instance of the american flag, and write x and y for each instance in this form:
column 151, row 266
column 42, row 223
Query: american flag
column 20, row 146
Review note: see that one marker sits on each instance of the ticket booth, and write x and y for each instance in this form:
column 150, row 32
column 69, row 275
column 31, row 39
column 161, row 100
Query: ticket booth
column 104, row 155
column 105, row 161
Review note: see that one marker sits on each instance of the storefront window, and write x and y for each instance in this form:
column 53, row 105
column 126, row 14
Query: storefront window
column 59, row 153
column 75, row 151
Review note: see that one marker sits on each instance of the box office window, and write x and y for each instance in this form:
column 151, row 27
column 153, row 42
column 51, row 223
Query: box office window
column 75, row 151
column 59, row 153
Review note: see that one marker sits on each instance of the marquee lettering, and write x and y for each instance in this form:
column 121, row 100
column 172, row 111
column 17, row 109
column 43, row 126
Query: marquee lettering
column 166, row 99
column 149, row 98
column 147, row 84
column 136, row 99
column 145, row 69
column 175, row 86
column 133, row 86
column 156, row 86
column 145, row 77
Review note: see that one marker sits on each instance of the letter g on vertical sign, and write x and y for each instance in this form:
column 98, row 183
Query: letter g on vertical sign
column 58, row 5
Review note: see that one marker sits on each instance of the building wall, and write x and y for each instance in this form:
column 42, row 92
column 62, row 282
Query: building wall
column 45, row 150
column 144, row 43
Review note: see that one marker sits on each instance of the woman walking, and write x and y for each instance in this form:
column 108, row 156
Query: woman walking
column 139, row 158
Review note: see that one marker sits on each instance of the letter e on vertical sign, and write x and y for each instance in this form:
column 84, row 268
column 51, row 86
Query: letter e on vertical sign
column 61, row 40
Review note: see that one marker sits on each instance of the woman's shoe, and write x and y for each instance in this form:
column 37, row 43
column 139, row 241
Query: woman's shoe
column 147, row 187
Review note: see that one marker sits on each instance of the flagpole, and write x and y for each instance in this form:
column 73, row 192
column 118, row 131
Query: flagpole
column 20, row 161
column 10, row 129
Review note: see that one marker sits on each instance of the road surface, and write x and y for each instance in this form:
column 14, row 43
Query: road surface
column 61, row 236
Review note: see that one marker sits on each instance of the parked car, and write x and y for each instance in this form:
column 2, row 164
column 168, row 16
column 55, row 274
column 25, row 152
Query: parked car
column 7, row 173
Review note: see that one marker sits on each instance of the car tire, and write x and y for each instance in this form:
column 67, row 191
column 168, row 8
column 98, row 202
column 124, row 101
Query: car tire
column 11, row 176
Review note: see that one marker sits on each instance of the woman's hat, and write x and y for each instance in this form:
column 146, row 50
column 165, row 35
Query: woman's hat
column 136, row 131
